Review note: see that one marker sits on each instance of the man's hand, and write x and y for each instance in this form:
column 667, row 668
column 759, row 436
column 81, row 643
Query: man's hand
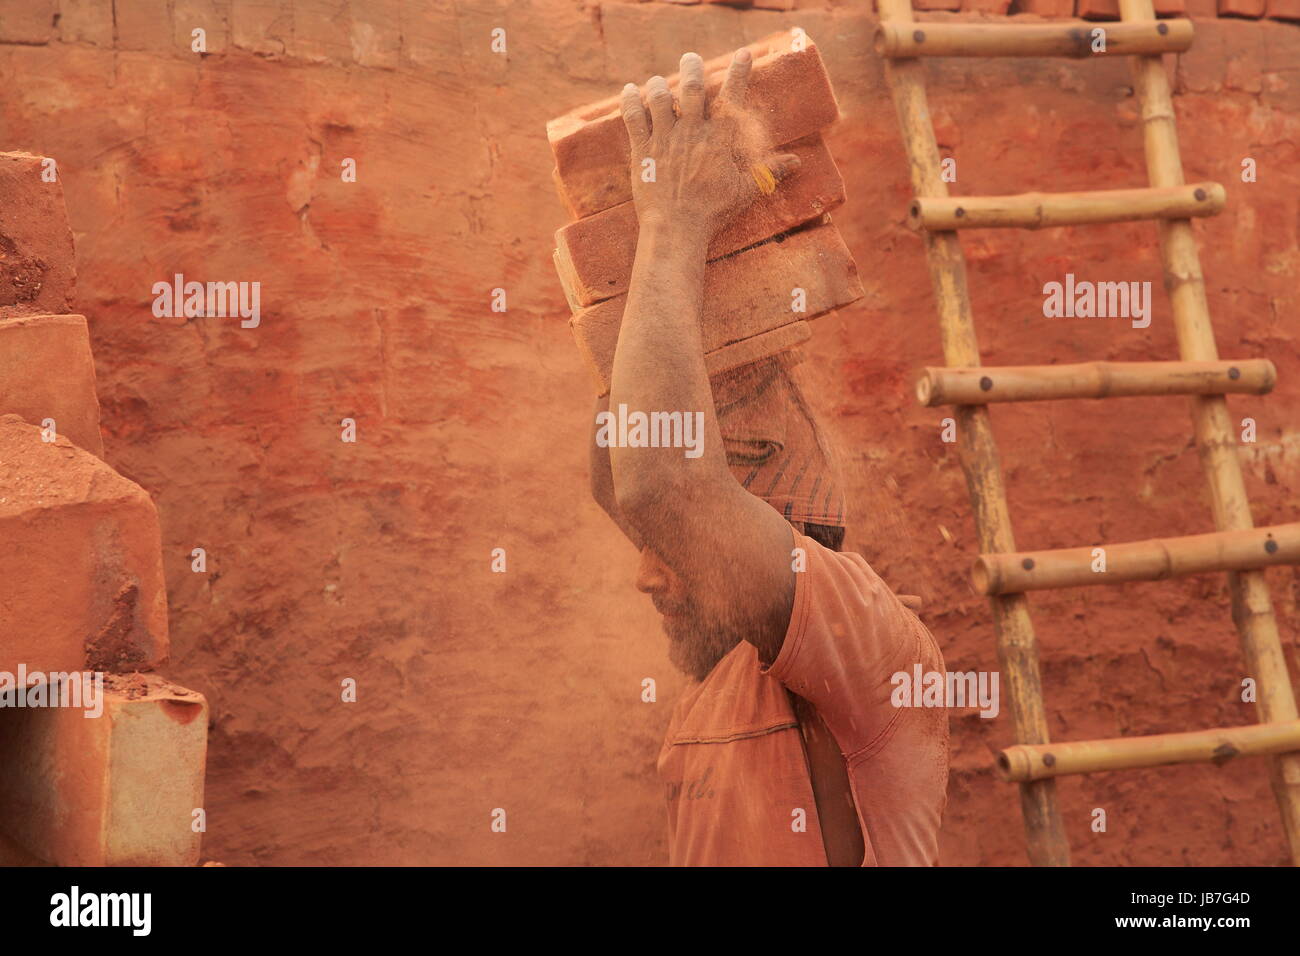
column 697, row 170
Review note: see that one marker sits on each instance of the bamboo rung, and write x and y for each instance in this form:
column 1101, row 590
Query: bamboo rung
column 983, row 385
column 1152, row 560
column 1073, row 38
column 1035, row 762
column 1044, row 210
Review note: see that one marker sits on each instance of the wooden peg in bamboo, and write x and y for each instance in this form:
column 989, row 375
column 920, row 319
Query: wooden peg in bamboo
column 1151, row 560
column 1075, row 38
column 983, row 385
column 1045, row 210
column 1039, row 761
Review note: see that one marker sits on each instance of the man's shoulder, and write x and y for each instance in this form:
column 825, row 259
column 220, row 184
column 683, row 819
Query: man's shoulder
column 842, row 577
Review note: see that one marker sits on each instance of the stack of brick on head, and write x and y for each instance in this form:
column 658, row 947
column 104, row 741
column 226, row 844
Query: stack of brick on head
column 773, row 266
column 702, row 248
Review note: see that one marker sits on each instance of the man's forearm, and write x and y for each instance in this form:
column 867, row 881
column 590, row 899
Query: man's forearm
column 659, row 364
column 602, row 478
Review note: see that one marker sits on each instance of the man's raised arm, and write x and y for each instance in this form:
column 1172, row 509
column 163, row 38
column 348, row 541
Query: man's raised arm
column 689, row 175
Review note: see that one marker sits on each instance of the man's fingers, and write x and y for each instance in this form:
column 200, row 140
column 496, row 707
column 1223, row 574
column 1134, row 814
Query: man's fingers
column 736, row 85
column 661, row 106
column 634, row 118
column 691, row 90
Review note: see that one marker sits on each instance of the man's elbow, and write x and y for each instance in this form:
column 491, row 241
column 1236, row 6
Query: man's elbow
column 649, row 496
column 636, row 500
column 654, row 499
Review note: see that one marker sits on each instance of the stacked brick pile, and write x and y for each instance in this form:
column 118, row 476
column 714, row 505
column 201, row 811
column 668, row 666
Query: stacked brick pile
column 777, row 264
column 81, row 581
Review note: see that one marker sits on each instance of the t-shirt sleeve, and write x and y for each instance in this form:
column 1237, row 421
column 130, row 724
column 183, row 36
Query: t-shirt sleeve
column 848, row 635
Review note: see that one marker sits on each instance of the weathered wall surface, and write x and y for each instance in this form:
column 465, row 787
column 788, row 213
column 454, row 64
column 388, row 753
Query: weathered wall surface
column 372, row 560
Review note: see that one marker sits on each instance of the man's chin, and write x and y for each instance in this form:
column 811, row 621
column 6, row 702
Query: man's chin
column 685, row 659
column 694, row 650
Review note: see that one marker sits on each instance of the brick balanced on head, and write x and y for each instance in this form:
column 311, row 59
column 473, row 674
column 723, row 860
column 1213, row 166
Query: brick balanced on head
column 779, row 263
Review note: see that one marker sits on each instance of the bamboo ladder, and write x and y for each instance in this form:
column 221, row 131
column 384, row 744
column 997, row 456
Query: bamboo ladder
column 1005, row 574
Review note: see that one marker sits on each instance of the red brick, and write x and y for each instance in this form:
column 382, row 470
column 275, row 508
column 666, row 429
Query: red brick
column 264, row 27
column 1055, row 9
column 744, row 295
column 562, row 270
column 1098, row 9
column 47, row 372
column 119, row 789
column 208, row 15
column 936, row 4
column 996, row 7
column 38, row 272
column 86, row 21
column 322, row 31
column 81, row 577
column 1203, row 9
column 789, row 90
column 594, row 255
column 1109, row 9
column 144, row 25
column 750, row 350
column 1284, row 9
column 376, row 37
column 1251, row 9
column 28, row 21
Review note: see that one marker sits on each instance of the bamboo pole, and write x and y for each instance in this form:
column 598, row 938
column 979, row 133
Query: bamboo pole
column 1252, row 606
column 1045, row 210
column 1039, row 383
column 1017, row 646
column 1073, row 38
column 1158, row 750
column 1152, row 560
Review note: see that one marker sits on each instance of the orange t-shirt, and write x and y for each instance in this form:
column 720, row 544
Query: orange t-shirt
column 733, row 760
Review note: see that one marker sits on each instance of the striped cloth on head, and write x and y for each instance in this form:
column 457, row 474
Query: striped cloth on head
column 774, row 448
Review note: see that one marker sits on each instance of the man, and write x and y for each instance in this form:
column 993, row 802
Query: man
column 788, row 751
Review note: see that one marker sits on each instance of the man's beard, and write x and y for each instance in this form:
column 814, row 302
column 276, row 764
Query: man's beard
column 695, row 648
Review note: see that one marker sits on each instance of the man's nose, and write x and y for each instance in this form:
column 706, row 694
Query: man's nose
column 651, row 576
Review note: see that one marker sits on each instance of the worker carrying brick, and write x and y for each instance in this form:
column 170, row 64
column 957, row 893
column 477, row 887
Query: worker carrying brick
column 789, row 750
